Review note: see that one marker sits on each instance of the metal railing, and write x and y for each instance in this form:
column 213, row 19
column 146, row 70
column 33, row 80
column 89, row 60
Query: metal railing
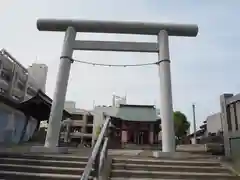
column 5, row 53
column 99, row 154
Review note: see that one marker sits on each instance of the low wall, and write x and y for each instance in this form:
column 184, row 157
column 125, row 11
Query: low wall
column 14, row 125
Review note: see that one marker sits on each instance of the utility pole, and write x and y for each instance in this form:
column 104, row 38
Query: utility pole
column 113, row 100
column 194, row 126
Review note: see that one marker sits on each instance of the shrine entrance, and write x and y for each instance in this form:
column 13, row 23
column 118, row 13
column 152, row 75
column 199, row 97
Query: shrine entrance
column 141, row 137
column 161, row 31
column 138, row 137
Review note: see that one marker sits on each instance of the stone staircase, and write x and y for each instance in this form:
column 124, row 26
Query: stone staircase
column 150, row 168
column 15, row 166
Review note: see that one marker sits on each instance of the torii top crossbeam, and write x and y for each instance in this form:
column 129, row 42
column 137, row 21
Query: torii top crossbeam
column 161, row 30
column 117, row 27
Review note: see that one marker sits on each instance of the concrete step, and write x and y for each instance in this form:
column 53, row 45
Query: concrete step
column 191, row 148
column 43, row 162
column 41, row 169
column 172, row 175
column 41, row 166
column 130, row 178
column 170, row 168
column 153, row 161
column 13, row 175
column 44, row 156
column 139, row 179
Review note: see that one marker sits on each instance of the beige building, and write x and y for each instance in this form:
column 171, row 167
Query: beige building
column 214, row 123
column 79, row 128
column 84, row 125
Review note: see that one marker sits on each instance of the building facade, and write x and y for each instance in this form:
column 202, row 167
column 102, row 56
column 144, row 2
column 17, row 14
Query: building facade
column 214, row 123
column 16, row 81
column 131, row 124
column 79, row 128
column 39, row 74
column 211, row 127
column 23, row 103
column 230, row 111
column 136, row 124
column 12, row 125
column 19, row 120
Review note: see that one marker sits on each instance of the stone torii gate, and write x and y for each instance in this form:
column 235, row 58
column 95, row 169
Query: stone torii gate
column 71, row 27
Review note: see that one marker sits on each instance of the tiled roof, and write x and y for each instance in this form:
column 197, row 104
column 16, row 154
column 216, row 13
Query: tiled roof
column 137, row 113
column 126, row 112
column 39, row 107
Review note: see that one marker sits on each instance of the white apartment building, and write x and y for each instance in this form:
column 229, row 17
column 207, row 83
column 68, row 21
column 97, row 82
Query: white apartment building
column 83, row 126
column 39, row 73
column 79, row 128
column 20, row 83
column 214, row 123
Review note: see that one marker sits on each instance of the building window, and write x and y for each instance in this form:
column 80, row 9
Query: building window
column 89, row 130
column 16, row 98
column 20, row 86
column 77, row 117
column 235, row 117
column 229, row 122
column 63, row 128
column 89, row 119
column 5, row 76
column 2, row 91
column 30, row 91
column 76, row 129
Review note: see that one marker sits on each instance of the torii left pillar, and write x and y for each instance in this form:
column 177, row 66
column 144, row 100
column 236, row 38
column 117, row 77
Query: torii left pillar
column 53, row 130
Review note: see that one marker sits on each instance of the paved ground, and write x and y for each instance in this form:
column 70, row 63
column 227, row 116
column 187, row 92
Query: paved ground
column 25, row 148
column 186, row 152
column 236, row 167
column 198, row 148
column 122, row 152
column 195, row 150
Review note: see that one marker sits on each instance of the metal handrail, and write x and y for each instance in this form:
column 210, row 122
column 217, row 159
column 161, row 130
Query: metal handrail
column 103, row 155
column 96, row 150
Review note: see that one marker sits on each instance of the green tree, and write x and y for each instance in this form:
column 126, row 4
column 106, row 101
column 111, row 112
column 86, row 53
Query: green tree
column 181, row 125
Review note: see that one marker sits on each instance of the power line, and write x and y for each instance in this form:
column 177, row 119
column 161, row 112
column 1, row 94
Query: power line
column 110, row 65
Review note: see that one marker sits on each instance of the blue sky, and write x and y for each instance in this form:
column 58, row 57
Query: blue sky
column 202, row 68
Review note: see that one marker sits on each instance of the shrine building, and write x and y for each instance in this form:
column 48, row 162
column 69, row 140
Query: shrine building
column 134, row 124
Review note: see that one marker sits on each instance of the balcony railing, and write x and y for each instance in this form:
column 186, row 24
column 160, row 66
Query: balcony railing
column 15, row 79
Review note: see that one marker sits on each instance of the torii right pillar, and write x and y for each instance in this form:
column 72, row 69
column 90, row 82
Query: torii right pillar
column 166, row 106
